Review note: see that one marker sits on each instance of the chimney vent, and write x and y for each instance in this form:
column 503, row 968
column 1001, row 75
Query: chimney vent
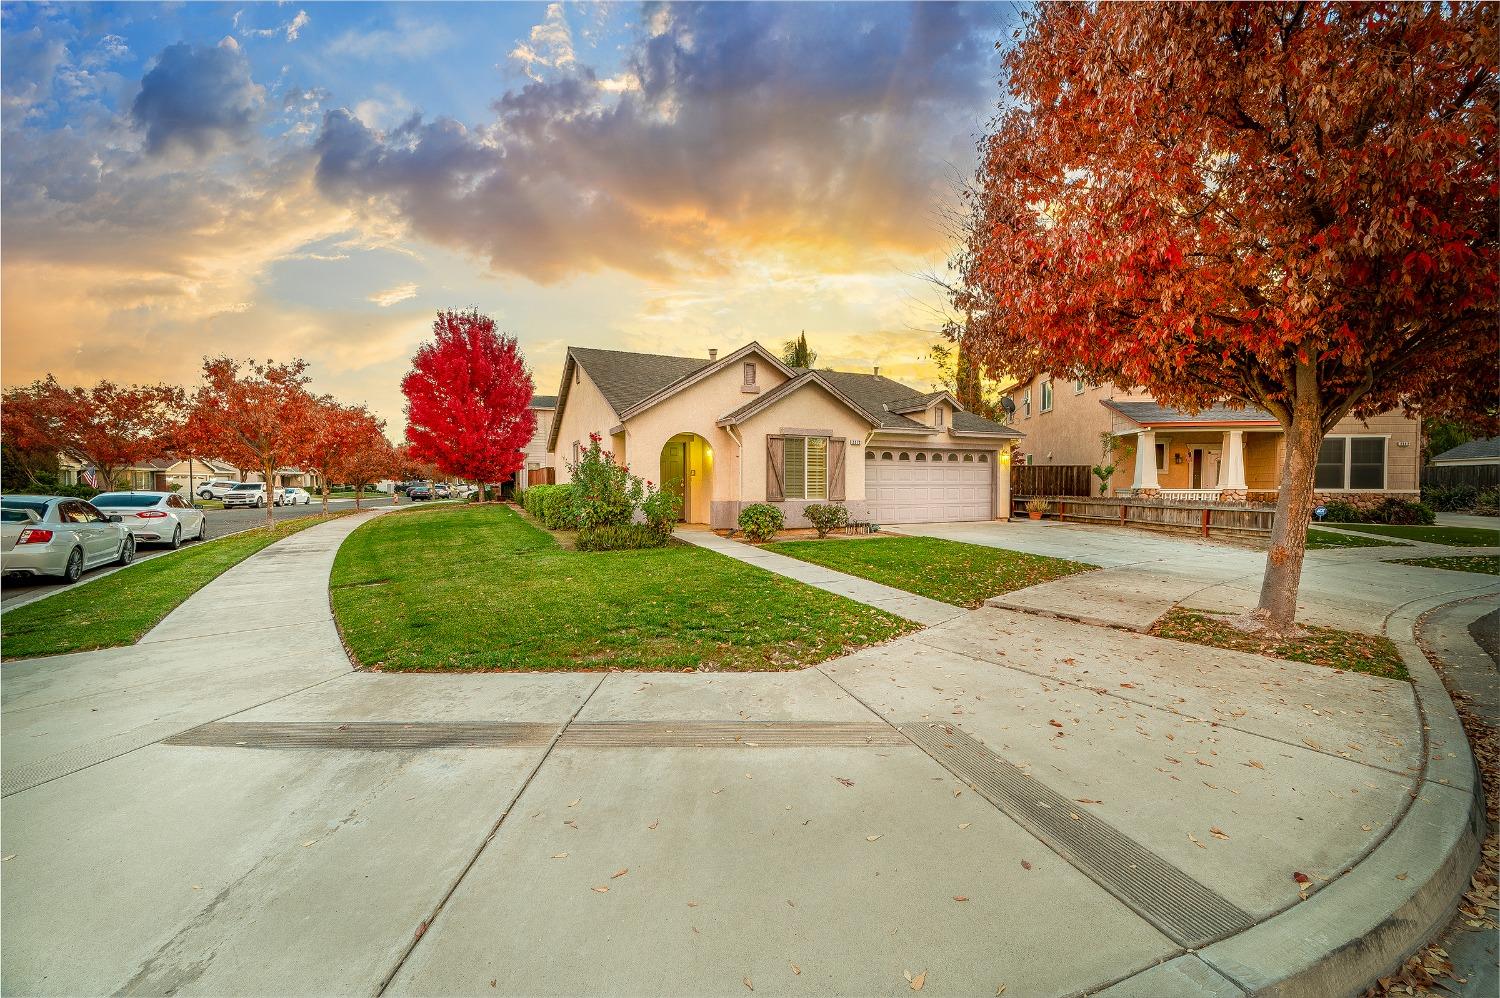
column 877, row 370
column 713, row 353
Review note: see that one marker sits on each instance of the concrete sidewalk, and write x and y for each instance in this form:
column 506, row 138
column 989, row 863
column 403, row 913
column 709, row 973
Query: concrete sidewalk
column 897, row 601
column 844, row 830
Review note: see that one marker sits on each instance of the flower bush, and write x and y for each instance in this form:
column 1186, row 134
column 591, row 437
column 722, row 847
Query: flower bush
column 622, row 537
column 605, row 494
column 826, row 516
column 760, row 521
column 661, row 508
column 1386, row 509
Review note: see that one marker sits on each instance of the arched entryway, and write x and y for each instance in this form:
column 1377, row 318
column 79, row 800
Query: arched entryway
column 687, row 468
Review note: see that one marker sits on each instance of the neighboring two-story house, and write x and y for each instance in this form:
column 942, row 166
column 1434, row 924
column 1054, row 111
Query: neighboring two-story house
column 1222, row 453
column 536, row 449
column 727, row 431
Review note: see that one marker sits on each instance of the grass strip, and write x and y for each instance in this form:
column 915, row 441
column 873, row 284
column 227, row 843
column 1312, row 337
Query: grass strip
column 1350, row 651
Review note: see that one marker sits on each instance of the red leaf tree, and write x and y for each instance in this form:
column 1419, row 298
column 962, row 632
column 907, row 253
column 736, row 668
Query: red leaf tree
column 1289, row 206
column 252, row 415
column 111, row 427
column 30, row 429
column 467, row 400
column 372, row 459
column 334, row 433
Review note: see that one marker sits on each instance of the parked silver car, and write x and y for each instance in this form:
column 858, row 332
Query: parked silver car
column 293, row 496
column 156, row 517
column 56, row 535
column 215, row 488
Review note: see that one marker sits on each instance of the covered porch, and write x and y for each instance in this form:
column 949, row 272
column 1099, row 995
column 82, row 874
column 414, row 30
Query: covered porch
column 1199, row 464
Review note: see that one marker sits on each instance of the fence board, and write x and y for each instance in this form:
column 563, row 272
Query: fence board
column 1205, row 519
column 1051, row 480
column 1484, row 476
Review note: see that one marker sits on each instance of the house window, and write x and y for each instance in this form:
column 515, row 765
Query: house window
column 869, row 455
column 1078, row 388
column 1046, row 396
column 749, row 374
column 1161, row 458
column 904, row 456
column 921, row 456
column 805, row 467
column 938, row 416
column 886, row 456
column 1351, row 463
column 1026, row 403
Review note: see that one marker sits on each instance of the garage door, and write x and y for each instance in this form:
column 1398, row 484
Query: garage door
column 911, row 486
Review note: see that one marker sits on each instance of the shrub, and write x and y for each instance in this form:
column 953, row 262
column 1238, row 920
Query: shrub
column 826, row 517
column 1451, row 498
column 622, row 537
column 604, row 493
column 1487, row 503
column 1342, row 511
column 1037, row 506
column 760, row 521
column 534, row 500
column 661, row 508
column 558, row 510
column 1392, row 509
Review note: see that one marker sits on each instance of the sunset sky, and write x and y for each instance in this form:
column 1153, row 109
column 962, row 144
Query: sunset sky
column 278, row 180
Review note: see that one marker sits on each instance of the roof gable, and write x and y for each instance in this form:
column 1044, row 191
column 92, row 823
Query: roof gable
column 627, row 379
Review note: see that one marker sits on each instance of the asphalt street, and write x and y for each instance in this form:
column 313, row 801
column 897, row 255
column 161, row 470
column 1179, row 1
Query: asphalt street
column 220, row 522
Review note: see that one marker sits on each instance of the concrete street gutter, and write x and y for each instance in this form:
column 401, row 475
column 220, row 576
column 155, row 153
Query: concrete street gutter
column 1364, row 924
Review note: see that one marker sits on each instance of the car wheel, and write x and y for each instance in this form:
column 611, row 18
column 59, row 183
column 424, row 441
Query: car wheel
column 177, row 537
column 127, row 550
column 205, row 494
column 203, row 529
column 260, row 504
column 74, row 571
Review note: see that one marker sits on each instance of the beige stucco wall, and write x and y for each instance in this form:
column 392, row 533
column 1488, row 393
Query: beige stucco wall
column 1069, row 432
column 585, row 413
column 807, row 410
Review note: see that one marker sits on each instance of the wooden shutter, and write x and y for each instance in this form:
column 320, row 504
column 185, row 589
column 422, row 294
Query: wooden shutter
column 775, row 454
column 836, row 470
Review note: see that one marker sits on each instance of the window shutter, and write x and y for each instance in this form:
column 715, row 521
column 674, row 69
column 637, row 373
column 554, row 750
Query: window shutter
column 775, row 454
column 836, row 470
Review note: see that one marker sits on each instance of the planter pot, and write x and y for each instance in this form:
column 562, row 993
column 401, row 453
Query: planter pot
column 1034, row 516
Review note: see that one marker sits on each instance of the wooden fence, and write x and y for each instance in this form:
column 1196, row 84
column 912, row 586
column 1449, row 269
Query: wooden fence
column 541, row 476
column 1483, row 476
column 1051, row 480
column 1205, row 519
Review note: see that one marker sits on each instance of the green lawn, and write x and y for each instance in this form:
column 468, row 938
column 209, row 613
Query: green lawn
column 1347, row 650
column 118, row 609
column 1321, row 539
column 1485, row 564
column 949, row 571
column 474, row 588
column 1453, row 536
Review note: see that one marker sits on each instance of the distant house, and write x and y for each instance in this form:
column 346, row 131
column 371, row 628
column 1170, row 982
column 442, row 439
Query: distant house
column 194, row 471
column 724, row 432
column 1221, row 453
column 1475, row 453
column 146, row 476
column 536, row 451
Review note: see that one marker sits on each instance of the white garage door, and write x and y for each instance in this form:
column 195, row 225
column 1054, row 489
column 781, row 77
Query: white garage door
column 911, row 486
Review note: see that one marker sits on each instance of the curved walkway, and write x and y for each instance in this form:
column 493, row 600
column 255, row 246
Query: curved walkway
column 999, row 799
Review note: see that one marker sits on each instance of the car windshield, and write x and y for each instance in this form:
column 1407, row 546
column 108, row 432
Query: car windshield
column 247, row 487
column 127, row 500
column 37, row 506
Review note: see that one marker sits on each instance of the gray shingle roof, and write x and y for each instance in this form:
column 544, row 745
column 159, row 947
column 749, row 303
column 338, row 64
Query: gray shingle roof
column 545, row 401
column 1149, row 413
column 627, row 378
column 918, row 402
column 1474, row 450
column 968, row 422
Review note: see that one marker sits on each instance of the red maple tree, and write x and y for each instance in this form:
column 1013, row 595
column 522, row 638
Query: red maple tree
column 467, row 400
column 251, row 415
column 109, row 427
column 372, row 459
column 29, row 428
column 1289, row 206
column 334, row 433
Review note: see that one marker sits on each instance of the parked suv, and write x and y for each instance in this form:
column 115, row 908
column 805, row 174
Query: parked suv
column 250, row 494
column 215, row 488
column 418, row 490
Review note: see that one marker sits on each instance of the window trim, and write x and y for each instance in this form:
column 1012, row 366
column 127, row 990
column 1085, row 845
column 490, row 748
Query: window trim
column 937, row 416
column 1047, row 395
column 789, row 443
column 1077, row 387
column 1026, row 403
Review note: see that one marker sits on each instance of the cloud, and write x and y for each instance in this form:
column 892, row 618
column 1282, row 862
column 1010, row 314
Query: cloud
column 197, row 98
column 290, row 29
column 816, row 131
column 409, row 39
column 394, row 296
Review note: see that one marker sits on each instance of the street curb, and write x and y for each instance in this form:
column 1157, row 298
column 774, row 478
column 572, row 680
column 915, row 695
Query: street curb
column 1365, row 923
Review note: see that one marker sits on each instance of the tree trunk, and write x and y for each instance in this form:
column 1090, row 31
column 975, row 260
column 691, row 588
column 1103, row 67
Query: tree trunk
column 270, row 477
column 325, row 494
column 1277, row 611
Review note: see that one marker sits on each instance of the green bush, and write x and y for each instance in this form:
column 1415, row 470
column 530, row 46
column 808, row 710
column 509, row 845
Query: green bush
column 558, row 512
column 1386, row 509
column 622, row 537
column 1342, row 511
column 826, row 517
column 534, row 500
column 760, row 521
column 604, row 493
column 1487, row 503
column 661, row 508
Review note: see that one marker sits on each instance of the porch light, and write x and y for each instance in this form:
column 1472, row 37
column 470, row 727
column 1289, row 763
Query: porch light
column 1005, row 457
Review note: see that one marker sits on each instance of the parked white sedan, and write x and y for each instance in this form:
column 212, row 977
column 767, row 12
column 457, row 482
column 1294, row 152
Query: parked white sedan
column 156, row 517
column 294, row 496
column 56, row 535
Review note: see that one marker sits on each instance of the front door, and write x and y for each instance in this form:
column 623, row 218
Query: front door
column 674, row 465
column 1197, row 468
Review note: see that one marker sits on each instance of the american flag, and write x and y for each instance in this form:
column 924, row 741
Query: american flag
column 91, row 478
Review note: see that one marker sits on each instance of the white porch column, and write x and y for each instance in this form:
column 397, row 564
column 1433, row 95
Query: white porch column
column 1145, row 462
column 1232, row 473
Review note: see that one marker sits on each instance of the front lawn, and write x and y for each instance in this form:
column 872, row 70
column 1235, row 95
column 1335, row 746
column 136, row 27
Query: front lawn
column 949, row 571
column 120, row 608
column 1322, row 539
column 1437, row 534
column 1485, row 564
column 1347, row 650
column 477, row 588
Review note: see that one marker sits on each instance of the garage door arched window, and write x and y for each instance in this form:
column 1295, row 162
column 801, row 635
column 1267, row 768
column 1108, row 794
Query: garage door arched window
column 904, row 456
column 869, row 455
column 886, row 456
column 968, row 459
column 953, row 457
column 984, row 459
column 921, row 456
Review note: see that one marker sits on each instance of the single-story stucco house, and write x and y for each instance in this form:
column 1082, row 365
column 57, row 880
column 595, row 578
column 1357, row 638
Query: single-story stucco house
column 746, row 428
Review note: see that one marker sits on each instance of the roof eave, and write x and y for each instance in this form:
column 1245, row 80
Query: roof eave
column 693, row 377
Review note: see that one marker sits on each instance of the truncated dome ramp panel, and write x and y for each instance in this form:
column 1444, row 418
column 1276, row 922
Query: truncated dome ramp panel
column 1183, row 909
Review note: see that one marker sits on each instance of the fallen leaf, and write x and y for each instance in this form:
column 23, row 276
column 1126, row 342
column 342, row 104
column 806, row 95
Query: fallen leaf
column 847, row 783
column 308, row 843
column 1401, row 876
column 1074, row 816
column 1301, row 878
column 1025, row 865
column 871, row 838
column 965, row 824
column 747, row 983
column 600, row 890
column 999, row 990
column 692, row 904
column 575, row 803
column 7, row 859
column 1255, row 764
column 197, row 887
column 918, row 981
column 1218, row 833
column 959, row 897
column 1085, row 800
column 494, row 982
column 1366, row 828
column 1193, row 839
column 718, row 791
column 653, row 824
column 796, row 969
column 619, row 873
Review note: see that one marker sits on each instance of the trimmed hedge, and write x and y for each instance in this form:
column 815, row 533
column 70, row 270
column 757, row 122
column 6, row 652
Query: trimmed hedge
column 760, row 521
column 826, row 516
column 622, row 537
column 1387, row 509
column 552, row 505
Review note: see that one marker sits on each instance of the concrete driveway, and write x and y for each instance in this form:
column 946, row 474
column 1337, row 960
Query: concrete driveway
column 999, row 799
